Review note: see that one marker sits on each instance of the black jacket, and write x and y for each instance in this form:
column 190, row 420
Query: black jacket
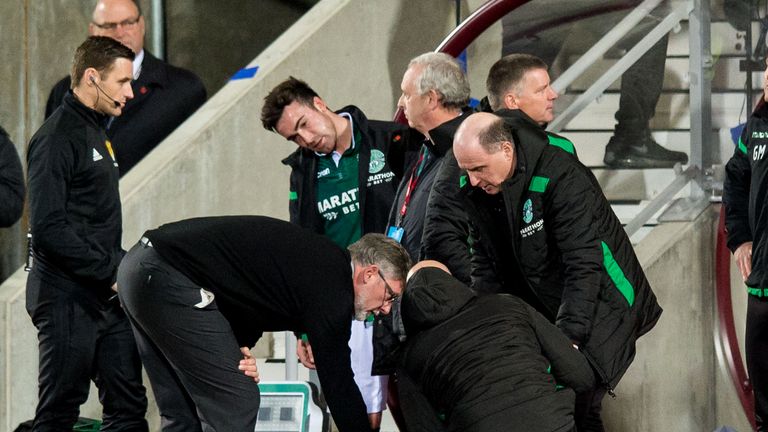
column 745, row 189
column 163, row 97
column 440, row 142
column 11, row 182
column 486, row 363
column 75, row 213
column 568, row 249
column 446, row 229
column 377, row 183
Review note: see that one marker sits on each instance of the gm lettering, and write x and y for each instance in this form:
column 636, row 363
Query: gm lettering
column 758, row 152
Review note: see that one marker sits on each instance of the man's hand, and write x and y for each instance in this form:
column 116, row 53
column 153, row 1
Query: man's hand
column 743, row 256
column 304, row 351
column 248, row 364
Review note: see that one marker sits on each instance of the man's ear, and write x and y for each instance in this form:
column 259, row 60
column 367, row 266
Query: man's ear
column 509, row 150
column 434, row 98
column 319, row 104
column 510, row 101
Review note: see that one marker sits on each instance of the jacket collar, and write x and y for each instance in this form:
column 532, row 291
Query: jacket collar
column 91, row 116
column 441, row 137
column 530, row 142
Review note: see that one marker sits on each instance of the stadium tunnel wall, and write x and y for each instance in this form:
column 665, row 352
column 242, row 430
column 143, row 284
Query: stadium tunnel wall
column 221, row 161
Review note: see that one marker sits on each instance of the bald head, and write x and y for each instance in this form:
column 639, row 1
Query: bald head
column 121, row 20
column 485, row 148
column 427, row 263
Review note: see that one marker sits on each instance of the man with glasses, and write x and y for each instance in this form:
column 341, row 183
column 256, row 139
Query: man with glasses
column 165, row 95
column 200, row 292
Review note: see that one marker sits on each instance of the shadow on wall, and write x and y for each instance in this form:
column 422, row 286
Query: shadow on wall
column 403, row 47
column 216, row 39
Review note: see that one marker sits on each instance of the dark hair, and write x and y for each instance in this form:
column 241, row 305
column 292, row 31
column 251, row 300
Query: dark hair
column 284, row 94
column 490, row 138
column 100, row 53
column 507, row 74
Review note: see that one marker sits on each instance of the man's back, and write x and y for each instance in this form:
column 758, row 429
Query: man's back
column 483, row 361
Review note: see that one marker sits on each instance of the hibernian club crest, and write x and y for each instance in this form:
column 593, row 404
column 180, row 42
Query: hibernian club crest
column 377, row 161
column 528, row 211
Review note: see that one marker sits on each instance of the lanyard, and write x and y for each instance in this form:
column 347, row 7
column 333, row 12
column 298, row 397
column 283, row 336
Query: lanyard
column 413, row 181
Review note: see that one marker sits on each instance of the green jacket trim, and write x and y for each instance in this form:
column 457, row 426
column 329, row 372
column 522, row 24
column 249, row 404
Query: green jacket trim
column 562, row 143
column 538, row 184
column 757, row 292
column 742, row 147
column 617, row 275
column 462, row 181
column 292, row 196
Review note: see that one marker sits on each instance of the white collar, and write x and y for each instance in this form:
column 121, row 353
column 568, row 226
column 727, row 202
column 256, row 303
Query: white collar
column 137, row 64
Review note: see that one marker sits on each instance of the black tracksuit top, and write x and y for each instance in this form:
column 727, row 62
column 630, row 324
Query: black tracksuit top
column 271, row 275
column 745, row 189
column 76, row 218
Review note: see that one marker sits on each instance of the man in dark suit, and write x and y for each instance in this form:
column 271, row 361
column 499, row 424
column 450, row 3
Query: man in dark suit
column 164, row 95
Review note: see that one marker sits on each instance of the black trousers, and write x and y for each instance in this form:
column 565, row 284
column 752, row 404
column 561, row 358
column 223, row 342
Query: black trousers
column 80, row 341
column 641, row 84
column 188, row 348
column 588, row 411
column 756, row 341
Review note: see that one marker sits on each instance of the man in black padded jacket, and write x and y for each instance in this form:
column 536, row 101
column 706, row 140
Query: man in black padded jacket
column 545, row 232
column 483, row 363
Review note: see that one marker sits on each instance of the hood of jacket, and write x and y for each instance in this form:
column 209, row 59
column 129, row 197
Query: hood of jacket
column 431, row 297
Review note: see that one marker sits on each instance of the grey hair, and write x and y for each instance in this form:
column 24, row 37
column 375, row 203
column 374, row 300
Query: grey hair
column 378, row 249
column 443, row 74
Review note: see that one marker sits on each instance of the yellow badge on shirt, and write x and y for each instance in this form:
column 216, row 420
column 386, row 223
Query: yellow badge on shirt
column 109, row 149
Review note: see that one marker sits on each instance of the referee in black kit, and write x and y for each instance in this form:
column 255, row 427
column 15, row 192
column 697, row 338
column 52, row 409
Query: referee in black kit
column 76, row 225
column 200, row 292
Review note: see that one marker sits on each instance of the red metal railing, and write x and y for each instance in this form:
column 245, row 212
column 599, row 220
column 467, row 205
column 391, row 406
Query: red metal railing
column 726, row 323
column 494, row 10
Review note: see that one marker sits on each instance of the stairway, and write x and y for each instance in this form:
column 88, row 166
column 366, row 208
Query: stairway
column 629, row 189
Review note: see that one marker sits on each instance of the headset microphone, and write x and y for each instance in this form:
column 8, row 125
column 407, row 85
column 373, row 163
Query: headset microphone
column 117, row 104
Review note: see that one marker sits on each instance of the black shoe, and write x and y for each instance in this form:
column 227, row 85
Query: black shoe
column 641, row 153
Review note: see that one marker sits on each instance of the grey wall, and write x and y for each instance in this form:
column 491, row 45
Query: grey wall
column 38, row 38
column 217, row 38
column 678, row 381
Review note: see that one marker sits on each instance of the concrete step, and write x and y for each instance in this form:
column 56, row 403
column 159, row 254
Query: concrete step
column 671, row 111
column 726, row 77
column 590, row 144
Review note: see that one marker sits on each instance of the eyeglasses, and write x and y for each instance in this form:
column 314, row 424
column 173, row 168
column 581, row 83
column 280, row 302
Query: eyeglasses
column 129, row 23
column 392, row 294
